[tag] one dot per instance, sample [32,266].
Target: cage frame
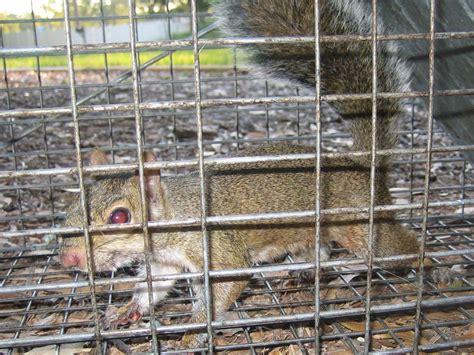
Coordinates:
[198,104]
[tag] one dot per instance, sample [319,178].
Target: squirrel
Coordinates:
[263,187]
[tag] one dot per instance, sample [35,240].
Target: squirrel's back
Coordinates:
[278,186]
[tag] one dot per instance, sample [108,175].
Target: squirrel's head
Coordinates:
[111,199]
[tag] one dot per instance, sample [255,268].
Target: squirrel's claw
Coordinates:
[442,275]
[114,317]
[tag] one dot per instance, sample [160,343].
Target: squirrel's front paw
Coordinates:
[305,276]
[442,275]
[130,313]
[449,276]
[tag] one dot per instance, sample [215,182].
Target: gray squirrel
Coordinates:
[264,187]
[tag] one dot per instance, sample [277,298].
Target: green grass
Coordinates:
[208,57]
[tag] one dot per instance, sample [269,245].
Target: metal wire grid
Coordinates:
[273,288]
[270,286]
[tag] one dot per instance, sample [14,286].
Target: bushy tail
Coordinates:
[346,67]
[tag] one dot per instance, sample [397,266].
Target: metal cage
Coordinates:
[52,118]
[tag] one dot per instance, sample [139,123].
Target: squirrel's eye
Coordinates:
[119,216]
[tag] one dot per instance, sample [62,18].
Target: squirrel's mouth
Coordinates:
[106,256]
[76,258]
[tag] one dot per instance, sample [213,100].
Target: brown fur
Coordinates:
[262,187]
[238,189]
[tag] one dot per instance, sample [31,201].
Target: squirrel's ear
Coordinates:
[98,157]
[152,178]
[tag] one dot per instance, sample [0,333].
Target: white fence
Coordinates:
[148,30]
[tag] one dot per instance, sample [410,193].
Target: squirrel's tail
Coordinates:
[346,66]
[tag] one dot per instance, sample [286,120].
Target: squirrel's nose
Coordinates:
[73,258]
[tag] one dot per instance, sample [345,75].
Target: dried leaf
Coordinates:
[469,334]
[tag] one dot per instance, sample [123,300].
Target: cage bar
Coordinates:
[194,117]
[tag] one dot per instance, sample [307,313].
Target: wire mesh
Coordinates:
[51,119]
